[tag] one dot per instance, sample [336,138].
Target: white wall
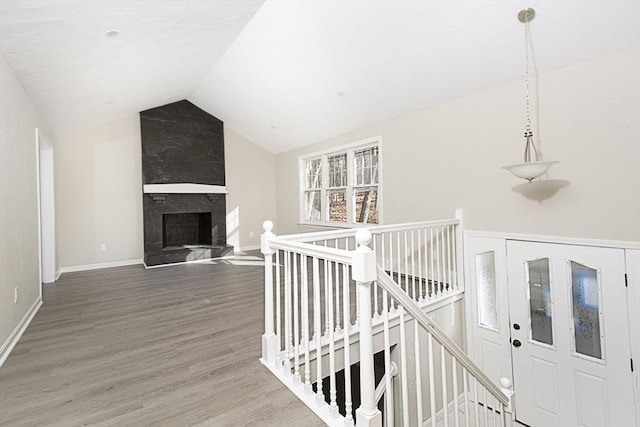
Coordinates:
[251,182]
[450,156]
[19,251]
[99,192]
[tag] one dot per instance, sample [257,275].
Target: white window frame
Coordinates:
[351,186]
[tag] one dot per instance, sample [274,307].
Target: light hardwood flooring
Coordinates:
[172,346]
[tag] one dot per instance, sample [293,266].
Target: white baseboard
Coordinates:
[247,248]
[58,273]
[100,265]
[15,336]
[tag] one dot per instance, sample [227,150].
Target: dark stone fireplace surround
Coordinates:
[182,144]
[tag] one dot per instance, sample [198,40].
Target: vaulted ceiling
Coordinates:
[289,73]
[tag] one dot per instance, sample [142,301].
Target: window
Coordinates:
[342,186]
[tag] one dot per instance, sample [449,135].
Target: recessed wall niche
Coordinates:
[183,145]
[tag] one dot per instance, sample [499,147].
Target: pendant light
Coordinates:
[533,166]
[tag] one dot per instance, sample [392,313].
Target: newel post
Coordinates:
[509,417]
[269,339]
[364,273]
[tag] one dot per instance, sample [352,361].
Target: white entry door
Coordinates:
[569,335]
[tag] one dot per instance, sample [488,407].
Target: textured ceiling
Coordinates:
[289,73]
[78,76]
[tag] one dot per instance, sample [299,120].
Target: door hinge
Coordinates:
[631,364]
[626,281]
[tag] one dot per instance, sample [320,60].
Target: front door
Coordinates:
[569,335]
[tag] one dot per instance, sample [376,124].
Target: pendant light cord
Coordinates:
[526,74]
[528,133]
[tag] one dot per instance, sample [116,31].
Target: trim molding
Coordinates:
[15,336]
[58,273]
[247,248]
[623,244]
[73,268]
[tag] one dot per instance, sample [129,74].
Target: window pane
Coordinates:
[486,281]
[312,206]
[540,300]
[313,173]
[366,205]
[337,206]
[586,306]
[338,170]
[366,164]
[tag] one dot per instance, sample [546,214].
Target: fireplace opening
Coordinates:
[183,230]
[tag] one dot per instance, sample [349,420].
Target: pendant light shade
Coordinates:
[533,166]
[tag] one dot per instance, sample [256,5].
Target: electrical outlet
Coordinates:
[103,247]
[251,234]
[16,295]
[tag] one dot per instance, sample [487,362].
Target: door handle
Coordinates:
[517,343]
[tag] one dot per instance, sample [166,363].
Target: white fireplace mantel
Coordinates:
[184,188]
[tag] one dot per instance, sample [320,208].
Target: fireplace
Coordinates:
[183,230]
[183,177]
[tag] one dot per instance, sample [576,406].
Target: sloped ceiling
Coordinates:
[77,75]
[289,73]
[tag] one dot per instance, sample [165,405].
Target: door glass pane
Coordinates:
[540,300]
[586,310]
[486,281]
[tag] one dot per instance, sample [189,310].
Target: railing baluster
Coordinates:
[432,381]
[416,349]
[332,345]
[456,407]
[416,296]
[420,272]
[296,325]
[337,275]
[486,406]
[406,263]
[426,266]
[434,287]
[388,395]
[449,281]
[455,257]
[465,387]
[403,364]
[445,399]
[476,403]
[399,261]
[376,314]
[317,325]
[278,306]
[346,307]
[305,322]
[287,311]
[327,300]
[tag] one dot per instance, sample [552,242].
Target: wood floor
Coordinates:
[172,346]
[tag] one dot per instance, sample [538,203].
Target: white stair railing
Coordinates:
[458,393]
[326,299]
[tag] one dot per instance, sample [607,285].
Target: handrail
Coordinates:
[414,310]
[376,229]
[326,253]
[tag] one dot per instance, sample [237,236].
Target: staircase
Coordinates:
[348,327]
